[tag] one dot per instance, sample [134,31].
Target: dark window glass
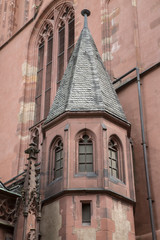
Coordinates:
[58,170]
[48,76]
[61,54]
[113,159]
[70,37]
[85,154]
[39,83]
[86,213]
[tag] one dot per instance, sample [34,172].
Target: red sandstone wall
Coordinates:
[12,59]
[18,76]
[110,219]
[139,27]
[133,38]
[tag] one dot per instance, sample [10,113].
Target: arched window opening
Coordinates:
[48,75]
[55,41]
[61,43]
[70,37]
[116,164]
[56,160]
[85,154]
[58,170]
[39,81]
[113,159]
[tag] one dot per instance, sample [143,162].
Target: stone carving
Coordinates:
[31,235]
[7,210]
[30,194]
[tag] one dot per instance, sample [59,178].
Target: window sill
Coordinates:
[86,174]
[55,180]
[86,224]
[116,180]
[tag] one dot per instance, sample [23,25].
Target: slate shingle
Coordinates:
[86,85]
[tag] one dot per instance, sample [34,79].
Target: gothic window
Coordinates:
[85,154]
[56,160]
[61,42]
[113,159]
[70,36]
[39,81]
[58,169]
[116,168]
[48,75]
[65,42]
[55,45]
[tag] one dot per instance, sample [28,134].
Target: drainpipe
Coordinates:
[145,156]
[144,147]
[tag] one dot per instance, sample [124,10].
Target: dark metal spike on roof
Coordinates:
[85,13]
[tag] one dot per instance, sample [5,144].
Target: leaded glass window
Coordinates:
[48,76]
[113,159]
[39,82]
[55,45]
[85,154]
[58,169]
[70,36]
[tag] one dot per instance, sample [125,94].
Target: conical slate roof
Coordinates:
[86,85]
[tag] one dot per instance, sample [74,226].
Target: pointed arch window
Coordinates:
[58,169]
[61,43]
[48,75]
[70,36]
[116,166]
[55,44]
[56,160]
[65,42]
[85,154]
[39,81]
[113,159]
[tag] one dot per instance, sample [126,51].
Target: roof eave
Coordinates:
[85,114]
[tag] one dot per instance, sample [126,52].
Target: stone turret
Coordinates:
[86,171]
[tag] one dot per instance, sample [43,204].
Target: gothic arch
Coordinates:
[116,158]
[85,138]
[53,173]
[29,69]
[47,18]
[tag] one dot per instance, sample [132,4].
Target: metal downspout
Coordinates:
[144,147]
[145,156]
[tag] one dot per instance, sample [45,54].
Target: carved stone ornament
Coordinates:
[32,151]
[7,210]
[31,235]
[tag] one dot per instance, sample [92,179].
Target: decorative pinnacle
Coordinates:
[85,13]
[32,151]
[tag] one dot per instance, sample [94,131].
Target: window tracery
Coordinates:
[55,45]
[85,148]
[85,154]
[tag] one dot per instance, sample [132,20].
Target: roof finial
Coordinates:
[85,13]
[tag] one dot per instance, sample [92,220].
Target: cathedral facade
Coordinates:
[79,116]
